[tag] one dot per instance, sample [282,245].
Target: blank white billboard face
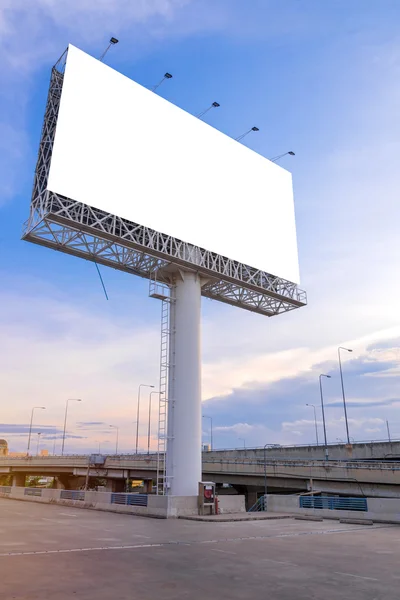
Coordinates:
[125,150]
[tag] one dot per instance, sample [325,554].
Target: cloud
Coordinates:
[48,432]
[88,424]
[30,37]
[260,411]
[14,147]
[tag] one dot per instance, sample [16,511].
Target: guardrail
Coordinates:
[33,492]
[333,503]
[72,495]
[129,499]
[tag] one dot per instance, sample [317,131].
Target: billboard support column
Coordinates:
[184,395]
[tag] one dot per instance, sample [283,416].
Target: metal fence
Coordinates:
[33,492]
[333,503]
[5,489]
[129,499]
[72,495]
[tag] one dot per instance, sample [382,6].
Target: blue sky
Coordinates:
[319,78]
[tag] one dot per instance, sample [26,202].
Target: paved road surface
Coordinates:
[55,552]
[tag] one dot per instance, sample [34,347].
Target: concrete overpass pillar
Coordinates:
[58,484]
[68,482]
[110,485]
[251,497]
[18,479]
[148,486]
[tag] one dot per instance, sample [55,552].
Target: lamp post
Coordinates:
[211,429]
[101,442]
[30,426]
[343,394]
[265,473]
[38,442]
[116,442]
[388,430]
[138,409]
[65,420]
[323,413]
[244,442]
[315,421]
[149,425]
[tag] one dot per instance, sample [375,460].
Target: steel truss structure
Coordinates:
[75,228]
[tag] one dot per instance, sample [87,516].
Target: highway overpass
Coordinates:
[246,471]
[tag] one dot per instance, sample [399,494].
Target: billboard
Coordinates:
[120,148]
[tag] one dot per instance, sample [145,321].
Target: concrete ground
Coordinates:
[55,552]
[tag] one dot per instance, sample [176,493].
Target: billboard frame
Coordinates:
[86,232]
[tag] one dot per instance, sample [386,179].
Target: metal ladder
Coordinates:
[165,293]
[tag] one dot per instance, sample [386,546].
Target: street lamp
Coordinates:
[315,421]
[265,474]
[138,409]
[101,442]
[149,425]
[244,442]
[323,413]
[30,426]
[38,442]
[344,397]
[116,443]
[211,429]
[65,420]
[388,430]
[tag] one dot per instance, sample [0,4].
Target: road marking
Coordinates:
[195,543]
[12,543]
[53,520]
[279,562]
[68,514]
[357,576]
[223,551]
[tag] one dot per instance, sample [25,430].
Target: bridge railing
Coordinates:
[72,495]
[129,499]
[333,503]
[331,464]
[31,491]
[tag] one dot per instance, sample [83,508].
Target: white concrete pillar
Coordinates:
[184,394]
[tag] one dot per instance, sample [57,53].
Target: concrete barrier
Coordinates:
[228,505]
[380,510]
[157,506]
